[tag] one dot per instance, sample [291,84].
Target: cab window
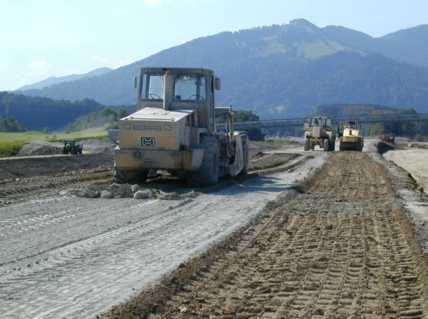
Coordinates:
[189,88]
[153,87]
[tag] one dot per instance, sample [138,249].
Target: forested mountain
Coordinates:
[37,113]
[410,46]
[349,111]
[9,124]
[62,79]
[285,70]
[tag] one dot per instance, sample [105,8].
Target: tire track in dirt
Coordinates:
[342,249]
[23,189]
[69,257]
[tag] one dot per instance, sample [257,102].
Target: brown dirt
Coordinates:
[270,160]
[36,187]
[34,177]
[18,167]
[341,248]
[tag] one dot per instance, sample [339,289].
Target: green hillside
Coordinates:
[10,124]
[37,113]
[106,118]
[284,70]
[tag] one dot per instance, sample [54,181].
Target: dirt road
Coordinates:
[68,257]
[342,249]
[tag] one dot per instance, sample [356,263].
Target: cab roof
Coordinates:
[177,70]
[158,114]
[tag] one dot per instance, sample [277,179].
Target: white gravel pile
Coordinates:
[116,191]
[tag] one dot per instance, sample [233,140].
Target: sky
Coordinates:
[42,38]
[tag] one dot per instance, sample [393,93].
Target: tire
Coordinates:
[123,177]
[246,155]
[208,173]
[307,145]
[333,145]
[327,146]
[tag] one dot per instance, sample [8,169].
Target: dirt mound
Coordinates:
[40,148]
[262,160]
[20,167]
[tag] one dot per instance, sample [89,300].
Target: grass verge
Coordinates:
[12,142]
[10,148]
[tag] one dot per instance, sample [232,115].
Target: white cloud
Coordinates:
[113,63]
[123,62]
[152,3]
[33,71]
[38,68]
[101,60]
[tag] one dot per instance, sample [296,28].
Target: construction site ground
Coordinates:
[306,235]
[63,256]
[342,247]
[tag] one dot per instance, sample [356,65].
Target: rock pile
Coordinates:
[126,191]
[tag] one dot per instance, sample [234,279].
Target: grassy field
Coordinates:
[11,143]
[93,133]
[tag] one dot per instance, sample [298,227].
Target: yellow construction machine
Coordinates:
[177,128]
[351,138]
[319,131]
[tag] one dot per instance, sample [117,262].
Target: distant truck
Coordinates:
[351,138]
[319,131]
[387,138]
[72,147]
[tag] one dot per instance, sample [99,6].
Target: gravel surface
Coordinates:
[414,161]
[343,248]
[412,197]
[63,256]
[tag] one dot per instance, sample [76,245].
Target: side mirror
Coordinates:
[135,82]
[217,84]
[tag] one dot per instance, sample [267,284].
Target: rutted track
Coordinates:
[342,249]
[22,189]
[74,257]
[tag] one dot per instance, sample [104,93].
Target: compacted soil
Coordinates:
[63,256]
[342,247]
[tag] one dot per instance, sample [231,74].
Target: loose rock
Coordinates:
[121,190]
[106,194]
[143,194]
[88,193]
[135,188]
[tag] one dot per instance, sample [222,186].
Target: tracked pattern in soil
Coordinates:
[342,249]
[22,189]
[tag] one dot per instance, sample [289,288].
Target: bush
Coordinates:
[10,148]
